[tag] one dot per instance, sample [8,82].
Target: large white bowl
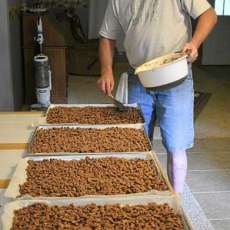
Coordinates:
[163,70]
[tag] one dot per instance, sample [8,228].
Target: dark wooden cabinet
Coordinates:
[56,50]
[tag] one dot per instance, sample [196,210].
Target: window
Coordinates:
[222,7]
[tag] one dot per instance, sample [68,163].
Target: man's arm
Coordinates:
[106,51]
[205,24]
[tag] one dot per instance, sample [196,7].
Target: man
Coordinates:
[153,28]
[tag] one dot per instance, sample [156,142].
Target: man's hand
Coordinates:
[205,24]
[106,50]
[106,83]
[192,51]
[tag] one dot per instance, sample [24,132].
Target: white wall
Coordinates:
[6,81]
[11,80]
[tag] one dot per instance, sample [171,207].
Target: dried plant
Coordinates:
[49,4]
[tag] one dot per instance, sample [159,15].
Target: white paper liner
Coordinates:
[20,176]
[42,120]
[134,126]
[172,201]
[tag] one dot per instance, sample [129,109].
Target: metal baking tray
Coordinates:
[19,176]
[43,119]
[135,126]
[172,201]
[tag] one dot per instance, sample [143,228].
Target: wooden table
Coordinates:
[16,129]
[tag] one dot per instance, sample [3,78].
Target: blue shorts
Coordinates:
[173,108]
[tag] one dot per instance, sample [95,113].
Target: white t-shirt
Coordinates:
[151,28]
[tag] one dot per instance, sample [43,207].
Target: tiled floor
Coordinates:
[209,178]
[214,121]
[209,161]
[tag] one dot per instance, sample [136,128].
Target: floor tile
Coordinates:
[207,145]
[209,181]
[203,160]
[214,120]
[221,224]
[83,90]
[215,205]
[158,146]
[209,160]
[194,211]
[211,145]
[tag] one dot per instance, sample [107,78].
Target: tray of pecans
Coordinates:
[83,176]
[92,114]
[78,139]
[139,212]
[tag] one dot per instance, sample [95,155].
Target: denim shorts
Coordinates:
[172,107]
